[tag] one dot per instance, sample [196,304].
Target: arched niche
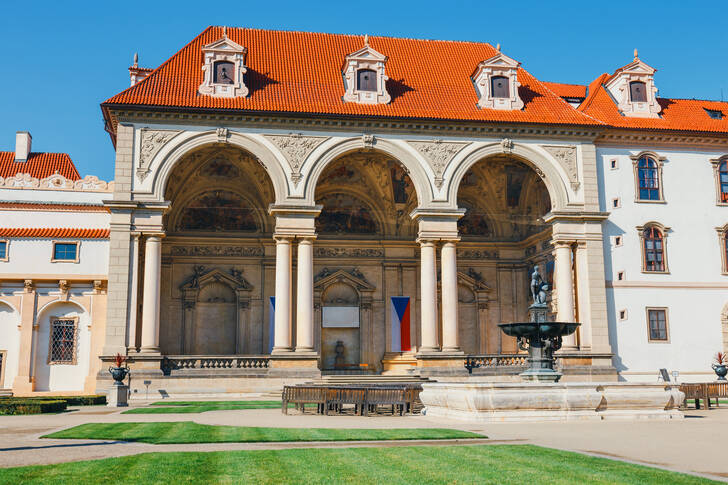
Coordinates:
[216,321]
[342,303]
[62,347]
[9,344]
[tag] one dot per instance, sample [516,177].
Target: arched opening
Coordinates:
[61,347]
[365,229]
[340,334]
[217,231]
[502,235]
[9,345]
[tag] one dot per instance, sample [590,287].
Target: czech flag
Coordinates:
[401,324]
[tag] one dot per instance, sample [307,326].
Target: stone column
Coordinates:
[449,265]
[304,296]
[428,296]
[282,331]
[583,296]
[133,290]
[150,300]
[564,287]
[23,381]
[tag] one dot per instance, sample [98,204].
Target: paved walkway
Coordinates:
[687,445]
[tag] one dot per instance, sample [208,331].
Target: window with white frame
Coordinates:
[365,80]
[496,82]
[720,171]
[653,238]
[63,337]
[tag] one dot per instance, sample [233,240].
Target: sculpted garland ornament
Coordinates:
[151,142]
[438,154]
[296,148]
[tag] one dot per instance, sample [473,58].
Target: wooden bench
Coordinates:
[365,398]
[705,391]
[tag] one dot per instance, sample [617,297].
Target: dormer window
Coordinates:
[365,81]
[496,83]
[499,87]
[638,92]
[224,69]
[633,88]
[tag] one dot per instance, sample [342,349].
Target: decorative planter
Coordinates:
[119,374]
[720,370]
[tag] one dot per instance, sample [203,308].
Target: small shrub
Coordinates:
[90,400]
[15,406]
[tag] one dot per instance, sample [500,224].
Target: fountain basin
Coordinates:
[539,401]
[533,330]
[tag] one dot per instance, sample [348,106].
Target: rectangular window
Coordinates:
[613,164]
[63,341]
[714,113]
[65,251]
[3,250]
[657,321]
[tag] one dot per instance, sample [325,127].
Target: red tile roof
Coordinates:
[567,90]
[676,114]
[300,72]
[38,165]
[35,206]
[54,232]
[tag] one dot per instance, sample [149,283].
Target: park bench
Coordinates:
[705,391]
[364,398]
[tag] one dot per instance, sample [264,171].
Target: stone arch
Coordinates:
[553,177]
[404,155]
[61,377]
[168,157]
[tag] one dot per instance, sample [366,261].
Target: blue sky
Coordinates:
[62,59]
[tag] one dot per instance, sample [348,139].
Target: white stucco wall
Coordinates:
[32,257]
[694,291]
[10,343]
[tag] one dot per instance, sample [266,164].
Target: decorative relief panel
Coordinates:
[296,148]
[151,142]
[477,254]
[238,251]
[321,252]
[566,156]
[438,154]
[89,183]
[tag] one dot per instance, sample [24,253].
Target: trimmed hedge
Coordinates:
[14,406]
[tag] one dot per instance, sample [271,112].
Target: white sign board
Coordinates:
[340,316]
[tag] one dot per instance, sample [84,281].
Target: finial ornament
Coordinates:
[224,31]
[136,59]
[636,56]
[366,40]
[497,47]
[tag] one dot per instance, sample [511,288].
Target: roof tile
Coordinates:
[38,165]
[54,232]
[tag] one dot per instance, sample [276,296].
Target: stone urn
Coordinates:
[720,370]
[119,374]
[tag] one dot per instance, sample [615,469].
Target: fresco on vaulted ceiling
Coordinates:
[216,211]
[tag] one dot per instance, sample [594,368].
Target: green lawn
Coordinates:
[189,432]
[184,407]
[494,464]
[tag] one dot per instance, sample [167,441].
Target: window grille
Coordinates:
[63,341]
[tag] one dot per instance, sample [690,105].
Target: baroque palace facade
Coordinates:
[287,204]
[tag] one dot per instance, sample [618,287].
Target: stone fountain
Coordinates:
[541,396]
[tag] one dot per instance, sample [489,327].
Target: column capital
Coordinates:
[155,234]
[306,239]
[426,241]
[562,243]
[283,238]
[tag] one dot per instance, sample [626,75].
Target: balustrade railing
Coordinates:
[176,362]
[490,361]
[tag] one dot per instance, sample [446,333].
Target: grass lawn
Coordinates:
[189,432]
[496,464]
[184,407]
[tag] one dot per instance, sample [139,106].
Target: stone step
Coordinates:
[368,379]
[6,393]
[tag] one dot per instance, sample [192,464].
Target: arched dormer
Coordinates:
[223,68]
[633,88]
[496,83]
[365,81]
